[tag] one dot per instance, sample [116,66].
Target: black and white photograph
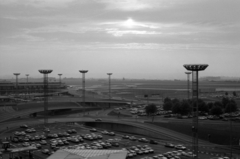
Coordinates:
[119,79]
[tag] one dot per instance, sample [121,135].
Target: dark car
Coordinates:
[115,144]
[153,142]
[98,119]
[125,137]
[93,130]
[45,151]
[24,126]
[15,139]
[111,134]
[169,145]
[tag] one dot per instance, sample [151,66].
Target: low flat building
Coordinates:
[11,87]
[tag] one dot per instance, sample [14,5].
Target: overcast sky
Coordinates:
[130,38]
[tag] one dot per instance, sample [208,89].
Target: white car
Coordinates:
[180,147]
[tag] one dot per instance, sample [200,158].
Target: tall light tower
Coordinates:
[27,77]
[195,68]
[60,81]
[83,84]
[26,84]
[188,83]
[45,89]
[109,79]
[17,74]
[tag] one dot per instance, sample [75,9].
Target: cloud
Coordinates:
[120,33]
[127,5]
[38,3]
[28,38]
[138,5]
[130,23]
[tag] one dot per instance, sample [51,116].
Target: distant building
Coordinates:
[210,78]
[207,90]
[36,87]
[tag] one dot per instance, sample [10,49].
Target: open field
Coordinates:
[220,133]
[174,89]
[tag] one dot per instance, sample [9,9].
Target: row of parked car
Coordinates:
[144,140]
[138,150]
[171,155]
[62,140]
[178,147]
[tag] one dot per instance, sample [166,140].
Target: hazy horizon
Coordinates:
[134,39]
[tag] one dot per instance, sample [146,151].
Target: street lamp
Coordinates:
[83,84]
[109,74]
[195,68]
[60,81]
[188,83]
[45,89]
[17,74]
[26,85]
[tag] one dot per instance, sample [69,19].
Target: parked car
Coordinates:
[43,142]
[125,137]
[143,140]
[180,147]
[153,142]
[93,130]
[170,145]
[45,151]
[24,126]
[111,134]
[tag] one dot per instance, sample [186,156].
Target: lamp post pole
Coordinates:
[17,74]
[60,80]
[27,84]
[27,77]
[195,68]
[83,84]
[45,89]
[109,77]
[188,84]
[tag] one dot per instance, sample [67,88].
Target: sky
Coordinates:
[149,39]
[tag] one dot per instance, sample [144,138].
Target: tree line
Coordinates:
[184,107]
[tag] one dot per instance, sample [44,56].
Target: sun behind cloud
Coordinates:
[129,23]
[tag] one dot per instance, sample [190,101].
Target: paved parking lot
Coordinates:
[83,138]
